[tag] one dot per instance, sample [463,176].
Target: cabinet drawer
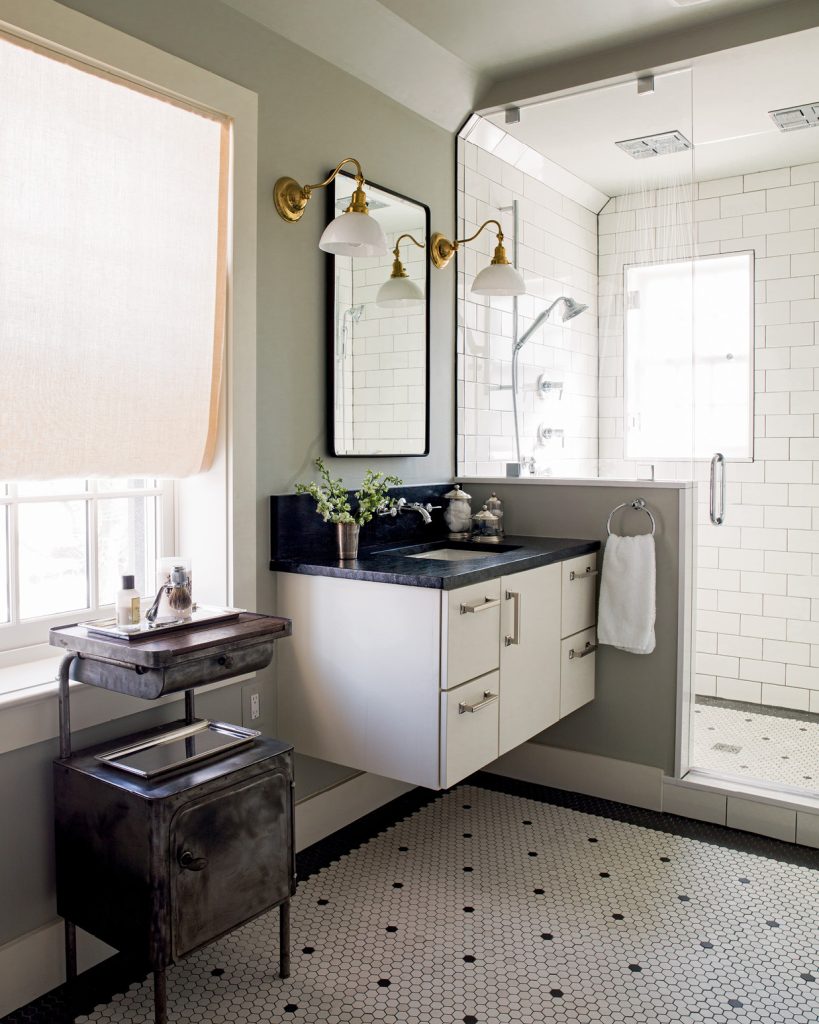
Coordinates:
[579,594]
[577,662]
[473,632]
[469,728]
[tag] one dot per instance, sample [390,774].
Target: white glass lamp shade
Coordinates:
[354,234]
[499,279]
[399,292]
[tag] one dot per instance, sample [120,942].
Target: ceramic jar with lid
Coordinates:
[458,514]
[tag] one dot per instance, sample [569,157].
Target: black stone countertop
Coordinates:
[391,564]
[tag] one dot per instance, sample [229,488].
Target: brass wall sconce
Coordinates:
[354,233]
[499,278]
[399,290]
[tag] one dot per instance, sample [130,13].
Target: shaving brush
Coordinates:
[178,590]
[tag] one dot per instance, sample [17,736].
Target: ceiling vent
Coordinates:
[655,145]
[790,118]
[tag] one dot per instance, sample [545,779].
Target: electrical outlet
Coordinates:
[255,706]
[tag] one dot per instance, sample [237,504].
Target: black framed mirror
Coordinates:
[378,332]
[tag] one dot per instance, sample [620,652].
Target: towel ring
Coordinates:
[638,505]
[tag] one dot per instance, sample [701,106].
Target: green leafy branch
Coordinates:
[332,502]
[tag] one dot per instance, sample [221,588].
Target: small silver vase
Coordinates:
[347,537]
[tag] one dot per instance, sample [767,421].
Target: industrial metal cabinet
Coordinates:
[160,866]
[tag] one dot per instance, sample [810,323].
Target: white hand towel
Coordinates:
[628,594]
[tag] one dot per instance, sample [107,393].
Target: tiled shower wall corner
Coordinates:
[758,602]
[381,360]
[557,254]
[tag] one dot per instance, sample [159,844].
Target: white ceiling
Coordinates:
[436,56]
[505,38]
[720,102]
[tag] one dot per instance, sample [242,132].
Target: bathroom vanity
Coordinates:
[426,662]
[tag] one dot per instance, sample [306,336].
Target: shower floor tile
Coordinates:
[491,907]
[771,745]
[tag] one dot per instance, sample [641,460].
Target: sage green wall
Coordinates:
[633,715]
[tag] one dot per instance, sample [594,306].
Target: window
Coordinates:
[689,359]
[114,247]
[65,544]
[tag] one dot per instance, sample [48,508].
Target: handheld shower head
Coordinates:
[571,309]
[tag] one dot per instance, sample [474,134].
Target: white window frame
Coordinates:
[692,456]
[215,512]
[20,632]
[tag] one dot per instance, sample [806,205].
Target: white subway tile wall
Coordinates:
[758,606]
[557,255]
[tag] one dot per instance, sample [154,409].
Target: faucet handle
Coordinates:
[430,507]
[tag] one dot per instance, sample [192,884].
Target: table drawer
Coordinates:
[473,632]
[469,731]
[579,594]
[577,664]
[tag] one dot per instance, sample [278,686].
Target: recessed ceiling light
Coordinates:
[688,3]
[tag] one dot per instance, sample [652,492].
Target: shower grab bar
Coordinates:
[717,461]
[639,505]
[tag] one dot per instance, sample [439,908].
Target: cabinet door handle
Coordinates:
[583,575]
[488,698]
[480,606]
[590,648]
[512,595]
[225,660]
[190,863]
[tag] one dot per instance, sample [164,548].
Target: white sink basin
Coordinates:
[453,554]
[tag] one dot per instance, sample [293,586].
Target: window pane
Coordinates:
[124,484]
[127,544]
[45,488]
[4,567]
[53,553]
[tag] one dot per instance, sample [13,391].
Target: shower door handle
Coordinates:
[717,469]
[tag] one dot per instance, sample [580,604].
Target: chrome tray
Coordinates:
[201,616]
[177,748]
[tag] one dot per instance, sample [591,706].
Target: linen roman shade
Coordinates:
[113,249]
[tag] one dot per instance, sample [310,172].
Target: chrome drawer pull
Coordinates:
[488,698]
[512,595]
[590,648]
[480,606]
[583,575]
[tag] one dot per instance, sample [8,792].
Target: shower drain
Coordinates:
[726,748]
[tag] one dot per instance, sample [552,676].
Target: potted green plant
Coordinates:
[333,505]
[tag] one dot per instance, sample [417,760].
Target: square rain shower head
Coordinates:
[788,119]
[655,145]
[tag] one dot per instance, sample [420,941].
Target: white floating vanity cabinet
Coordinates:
[427,685]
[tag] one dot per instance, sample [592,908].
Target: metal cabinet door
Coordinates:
[229,859]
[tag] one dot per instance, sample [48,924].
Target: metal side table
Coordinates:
[160,863]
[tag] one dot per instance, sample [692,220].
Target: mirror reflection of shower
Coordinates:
[350,317]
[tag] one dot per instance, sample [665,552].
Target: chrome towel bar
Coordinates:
[638,505]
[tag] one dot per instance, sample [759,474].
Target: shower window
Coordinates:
[689,358]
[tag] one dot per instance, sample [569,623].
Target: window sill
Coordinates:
[28,703]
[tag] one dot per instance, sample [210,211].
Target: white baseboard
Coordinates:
[34,963]
[320,815]
[637,784]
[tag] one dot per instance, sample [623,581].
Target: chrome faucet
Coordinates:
[402,505]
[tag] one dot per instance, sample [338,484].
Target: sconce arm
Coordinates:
[290,198]
[442,249]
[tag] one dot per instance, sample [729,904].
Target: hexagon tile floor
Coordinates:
[490,907]
[757,742]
